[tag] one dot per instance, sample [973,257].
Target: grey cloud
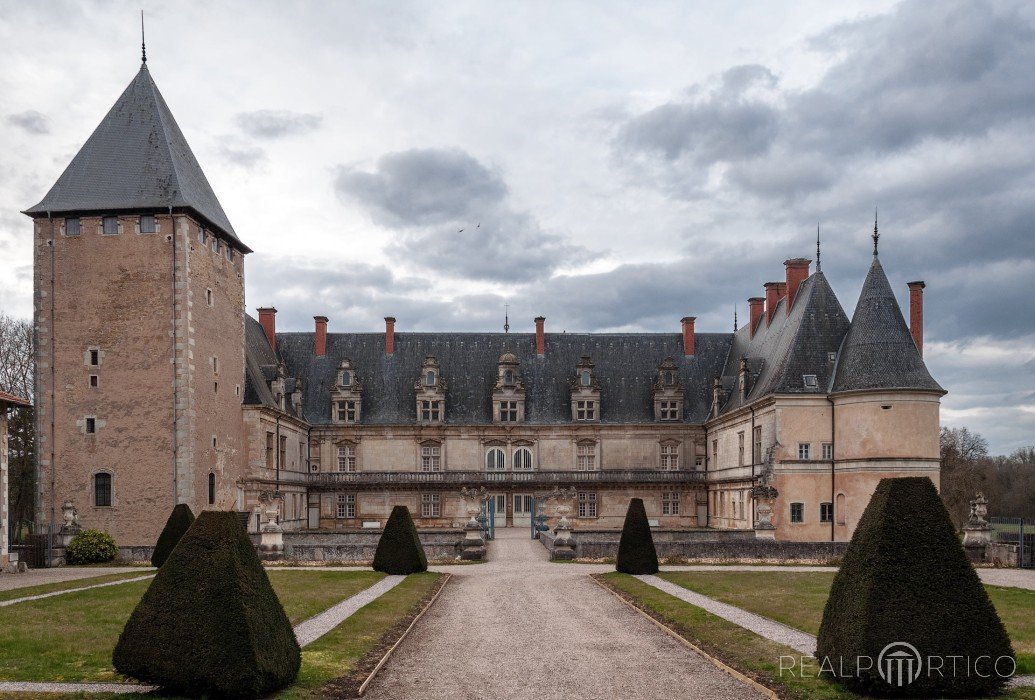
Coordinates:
[242,155]
[423,187]
[274,124]
[31,121]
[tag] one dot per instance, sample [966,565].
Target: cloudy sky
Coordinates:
[610,165]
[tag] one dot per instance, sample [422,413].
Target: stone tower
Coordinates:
[139,313]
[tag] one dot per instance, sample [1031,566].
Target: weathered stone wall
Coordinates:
[360,545]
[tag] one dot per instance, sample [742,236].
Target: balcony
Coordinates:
[452,480]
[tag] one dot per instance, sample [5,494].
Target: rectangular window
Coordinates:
[756,455]
[715,453]
[430,458]
[586,457]
[430,505]
[797,512]
[91,426]
[229,253]
[804,450]
[215,244]
[740,449]
[346,505]
[585,410]
[346,411]
[95,358]
[670,457]
[94,381]
[147,224]
[508,411]
[215,365]
[668,410]
[347,458]
[201,236]
[828,450]
[72,227]
[670,503]
[431,411]
[270,464]
[283,451]
[826,512]
[587,505]
[110,225]
[102,490]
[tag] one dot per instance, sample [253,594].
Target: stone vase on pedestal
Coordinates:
[271,537]
[564,543]
[765,499]
[976,532]
[472,546]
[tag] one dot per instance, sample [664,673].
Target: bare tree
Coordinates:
[17,349]
[966,470]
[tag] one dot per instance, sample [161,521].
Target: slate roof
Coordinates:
[793,345]
[878,351]
[626,366]
[137,158]
[259,359]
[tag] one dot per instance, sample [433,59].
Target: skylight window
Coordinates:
[810,380]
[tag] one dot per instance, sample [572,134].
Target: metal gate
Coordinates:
[34,551]
[1019,532]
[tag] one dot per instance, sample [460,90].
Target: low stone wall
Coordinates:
[1005,554]
[706,546]
[360,545]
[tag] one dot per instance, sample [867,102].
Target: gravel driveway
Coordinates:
[521,627]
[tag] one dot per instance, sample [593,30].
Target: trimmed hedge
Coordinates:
[178,523]
[906,578]
[91,547]
[399,550]
[636,552]
[210,623]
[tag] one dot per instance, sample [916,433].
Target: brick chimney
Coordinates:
[756,305]
[772,298]
[320,341]
[268,321]
[916,313]
[389,334]
[540,336]
[797,272]
[689,341]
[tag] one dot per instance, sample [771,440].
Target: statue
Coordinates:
[71,518]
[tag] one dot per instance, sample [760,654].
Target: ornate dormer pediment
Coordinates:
[508,395]
[668,392]
[585,393]
[430,389]
[346,394]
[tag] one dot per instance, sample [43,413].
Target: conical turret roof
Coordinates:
[878,351]
[137,158]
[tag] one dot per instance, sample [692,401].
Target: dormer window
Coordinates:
[508,377]
[585,378]
[668,393]
[429,379]
[585,410]
[585,393]
[347,395]
[810,381]
[347,411]
[430,388]
[431,411]
[508,395]
[345,378]
[670,378]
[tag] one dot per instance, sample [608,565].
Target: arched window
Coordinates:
[508,377]
[429,378]
[495,460]
[585,377]
[346,378]
[102,489]
[670,378]
[522,459]
[839,509]
[211,488]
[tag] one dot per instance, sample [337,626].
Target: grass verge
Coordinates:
[67,585]
[797,599]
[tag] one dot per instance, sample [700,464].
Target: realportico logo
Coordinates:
[899,664]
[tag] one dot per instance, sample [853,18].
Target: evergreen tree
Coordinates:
[636,553]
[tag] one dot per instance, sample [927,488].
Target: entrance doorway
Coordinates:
[522,509]
[500,517]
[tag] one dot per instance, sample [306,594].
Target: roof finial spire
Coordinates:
[734,318]
[506,318]
[875,234]
[819,266]
[143,44]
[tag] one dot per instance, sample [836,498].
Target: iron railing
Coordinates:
[1016,531]
[458,479]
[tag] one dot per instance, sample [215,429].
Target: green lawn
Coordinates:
[66,585]
[749,653]
[797,599]
[71,637]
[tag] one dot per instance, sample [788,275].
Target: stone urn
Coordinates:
[977,533]
[472,546]
[564,542]
[765,499]
[271,537]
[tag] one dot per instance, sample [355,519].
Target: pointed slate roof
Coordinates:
[878,351]
[137,158]
[793,345]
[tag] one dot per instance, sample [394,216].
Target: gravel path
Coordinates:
[521,627]
[5,603]
[38,577]
[73,688]
[801,642]
[317,626]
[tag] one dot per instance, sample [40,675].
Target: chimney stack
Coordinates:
[797,272]
[689,342]
[755,304]
[389,334]
[321,336]
[773,294]
[916,313]
[268,321]
[540,336]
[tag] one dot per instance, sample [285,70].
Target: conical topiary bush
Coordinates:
[906,579]
[399,550]
[178,523]
[210,623]
[636,553]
